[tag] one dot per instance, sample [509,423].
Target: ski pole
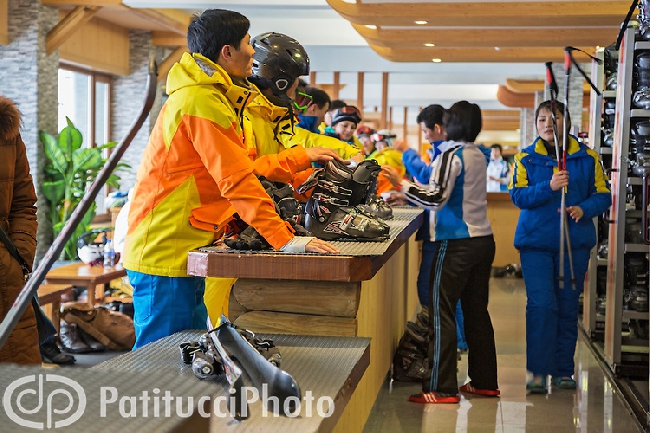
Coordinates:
[23,300]
[553,88]
[564,228]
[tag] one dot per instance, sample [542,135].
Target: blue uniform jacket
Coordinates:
[539,220]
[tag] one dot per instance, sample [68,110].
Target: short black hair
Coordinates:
[213,29]
[318,96]
[463,122]
[336,104]
[497,146]
[431,116]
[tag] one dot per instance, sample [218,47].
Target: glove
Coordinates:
[249,239]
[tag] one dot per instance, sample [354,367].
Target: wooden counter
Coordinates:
[351,294]
[503,216]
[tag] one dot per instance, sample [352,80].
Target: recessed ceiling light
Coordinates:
[436,60]
[420,23]
[429,45]
[497,49]
[350,1]
[371,27]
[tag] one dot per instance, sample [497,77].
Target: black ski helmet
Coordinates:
[278,60]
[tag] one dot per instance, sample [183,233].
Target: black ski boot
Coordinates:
[333,210]
[374,204]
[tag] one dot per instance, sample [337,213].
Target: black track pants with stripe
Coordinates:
[461,271]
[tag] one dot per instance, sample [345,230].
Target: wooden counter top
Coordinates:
[315,267]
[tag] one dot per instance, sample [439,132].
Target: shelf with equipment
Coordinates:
[626,311]
[592,321]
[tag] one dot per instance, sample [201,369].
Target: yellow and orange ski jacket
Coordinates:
[196,173]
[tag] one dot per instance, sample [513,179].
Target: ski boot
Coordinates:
[332,211]
[367,173]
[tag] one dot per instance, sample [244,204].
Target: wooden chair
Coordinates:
[49,297]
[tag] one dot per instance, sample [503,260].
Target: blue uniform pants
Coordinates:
[424,276]
[551,312]
[165,305]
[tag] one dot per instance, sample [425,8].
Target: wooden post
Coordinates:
[384,100]
[405,128]
[390,118]
[419,134]
[312,78]
[360,84]
[335,86]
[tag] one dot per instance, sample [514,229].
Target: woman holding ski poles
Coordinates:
[552,307]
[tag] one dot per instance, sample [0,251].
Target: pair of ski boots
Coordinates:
[343,204]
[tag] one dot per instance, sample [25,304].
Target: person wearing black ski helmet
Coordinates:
[278,62]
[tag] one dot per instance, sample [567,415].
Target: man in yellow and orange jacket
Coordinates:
[196,176]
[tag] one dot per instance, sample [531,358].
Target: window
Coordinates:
[84,97]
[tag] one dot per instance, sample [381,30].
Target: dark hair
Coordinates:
[559,108]
[497,146]
[431,116]
[462,121]
[210,31]
[336,104]
[318,96]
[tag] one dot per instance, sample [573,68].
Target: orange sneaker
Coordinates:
[468,388]
[433,398]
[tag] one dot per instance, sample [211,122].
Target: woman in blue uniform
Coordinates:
[551,311]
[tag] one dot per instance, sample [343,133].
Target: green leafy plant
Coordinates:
[70,169]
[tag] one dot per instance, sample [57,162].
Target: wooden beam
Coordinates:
[384,99]
[501,114]
[515,100]
[419,134]
[174,21]
[487,14]
[481,54]
[168,62]
[4,22]
[72,22]
[488,37]
[405,123]
[360,83]
[335,86]
[529,86]
[168,39]
[491,124]
[526,100]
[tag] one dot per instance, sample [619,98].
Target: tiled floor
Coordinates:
[593,407]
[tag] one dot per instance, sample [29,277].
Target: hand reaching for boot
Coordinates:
[391,174]
[322,154]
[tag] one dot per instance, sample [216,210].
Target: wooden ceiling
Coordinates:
[510,31]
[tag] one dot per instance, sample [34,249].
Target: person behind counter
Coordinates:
[195,176]
[463,260]
[497,171]
[551,312]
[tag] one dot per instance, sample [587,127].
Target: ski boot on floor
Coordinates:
[333,210]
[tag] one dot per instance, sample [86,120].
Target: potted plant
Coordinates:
[69,170]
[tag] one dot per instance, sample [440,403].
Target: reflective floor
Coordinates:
[593,407]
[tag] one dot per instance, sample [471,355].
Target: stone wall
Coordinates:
[127,97]
[30,78]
